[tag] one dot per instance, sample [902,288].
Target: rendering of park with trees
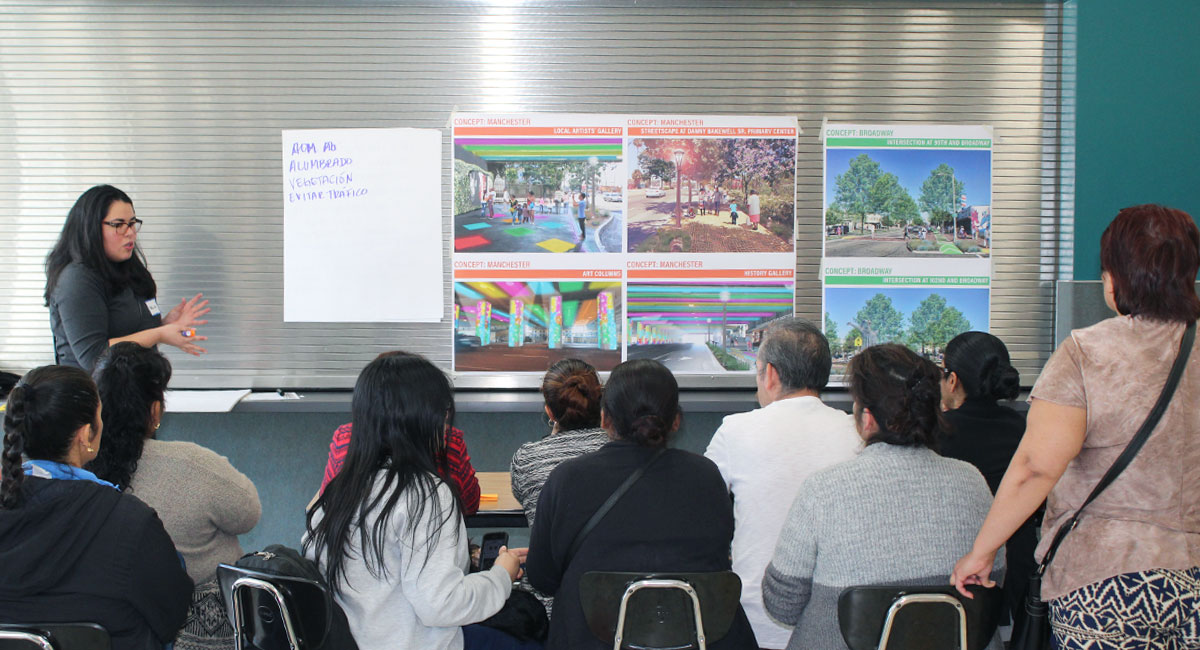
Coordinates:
[923,319]
[871,211]
[681,192]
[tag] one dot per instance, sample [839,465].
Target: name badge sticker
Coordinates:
[152,305]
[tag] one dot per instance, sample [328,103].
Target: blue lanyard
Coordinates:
[61,471]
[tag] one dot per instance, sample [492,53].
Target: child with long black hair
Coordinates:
[387,532]
[72,547]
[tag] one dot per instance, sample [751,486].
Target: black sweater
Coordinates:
[78,551]
[984,434]
[677,517]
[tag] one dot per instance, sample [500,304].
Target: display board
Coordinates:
[181,104]
[907,242]
[611,237]
[362,238]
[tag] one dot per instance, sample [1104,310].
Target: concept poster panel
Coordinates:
[698,327]
[545,204]
[524,319]
[908,235]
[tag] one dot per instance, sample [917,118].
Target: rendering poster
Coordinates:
[560,218]
[908,235]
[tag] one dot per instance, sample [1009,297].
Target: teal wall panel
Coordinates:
[1137,127]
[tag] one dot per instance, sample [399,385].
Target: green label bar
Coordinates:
[932,143]
[906,280]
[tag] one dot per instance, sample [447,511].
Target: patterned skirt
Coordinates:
[207,626]
[1157,609]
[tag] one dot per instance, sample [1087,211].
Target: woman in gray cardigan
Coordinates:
[203,501]
[893,515]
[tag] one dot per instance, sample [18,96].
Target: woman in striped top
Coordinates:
[572,392]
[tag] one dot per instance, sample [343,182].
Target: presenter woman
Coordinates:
[99,290]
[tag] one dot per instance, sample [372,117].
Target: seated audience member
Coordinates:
[457,468]
[572,392]
[388,533]
[204,503]
[766,454]
[73,548]
[892,515]
[982,432]
[676,517]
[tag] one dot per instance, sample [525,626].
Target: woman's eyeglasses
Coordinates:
[123,226]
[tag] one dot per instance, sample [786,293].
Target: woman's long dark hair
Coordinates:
[402,408]
[44,411]
[82,240]
[983,366]
[130,379]
[902,390]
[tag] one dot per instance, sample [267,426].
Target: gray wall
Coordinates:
[284,454]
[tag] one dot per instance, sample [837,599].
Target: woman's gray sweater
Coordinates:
[893,515]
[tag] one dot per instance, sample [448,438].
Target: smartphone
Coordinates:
[490,548]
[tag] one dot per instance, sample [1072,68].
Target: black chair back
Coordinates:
[53,636]
[660,618]
[274,612]
[918,617]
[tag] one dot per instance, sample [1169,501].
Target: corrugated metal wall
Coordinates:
[181,105]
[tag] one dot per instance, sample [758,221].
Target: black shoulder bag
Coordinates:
[1035,635]
[607,505]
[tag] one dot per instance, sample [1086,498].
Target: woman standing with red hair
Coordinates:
[1128,575]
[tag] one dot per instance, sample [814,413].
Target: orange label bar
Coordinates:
[726,131]
[773,274]
[537,274]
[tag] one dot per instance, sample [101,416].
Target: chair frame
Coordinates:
[36,640]
[659,583]
[927,598]
[247,582]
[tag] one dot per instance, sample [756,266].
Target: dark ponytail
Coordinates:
[983,366]
[130,379]
[572,391]
[641,401]
[903,392]
[14,447]
[44,411]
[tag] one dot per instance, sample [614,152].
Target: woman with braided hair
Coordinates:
[676,517]
[892,515]
[73,547]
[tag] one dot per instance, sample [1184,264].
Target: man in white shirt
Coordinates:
[766,454]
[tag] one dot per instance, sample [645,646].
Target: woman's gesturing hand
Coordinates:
[179,325]
[188,310]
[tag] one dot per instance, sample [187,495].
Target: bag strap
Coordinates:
[1135,444]
[607,505]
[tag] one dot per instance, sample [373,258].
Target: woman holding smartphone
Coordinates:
[387,531]
[99,290]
